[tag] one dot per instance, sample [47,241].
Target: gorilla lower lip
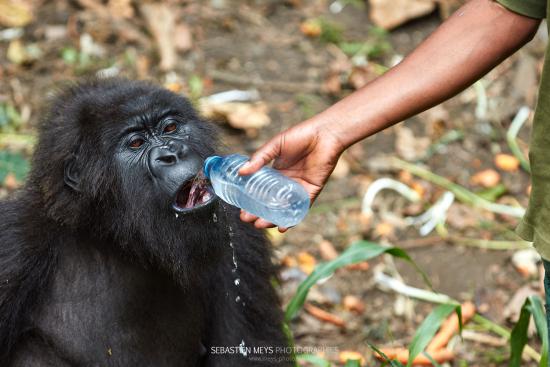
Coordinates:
[193,194]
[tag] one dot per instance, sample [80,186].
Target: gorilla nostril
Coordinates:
[173,146]
[167,159]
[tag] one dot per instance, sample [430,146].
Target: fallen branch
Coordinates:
[282,86]
[324,316]
[451,327]
[491,244]
[483,338]
[402,355]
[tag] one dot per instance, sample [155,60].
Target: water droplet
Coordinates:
[177,215]
[242,349]
[237,281]
[215,218]
[236,266]
[238,299]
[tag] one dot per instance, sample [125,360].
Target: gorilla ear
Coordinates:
[72,174]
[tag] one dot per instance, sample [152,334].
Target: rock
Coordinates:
[389,14]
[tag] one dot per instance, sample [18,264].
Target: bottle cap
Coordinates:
[208,163]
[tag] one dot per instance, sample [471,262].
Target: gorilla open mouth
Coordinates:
[193,194]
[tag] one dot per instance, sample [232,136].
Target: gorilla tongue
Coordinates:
[192,194]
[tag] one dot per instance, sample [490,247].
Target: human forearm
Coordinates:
[469,44]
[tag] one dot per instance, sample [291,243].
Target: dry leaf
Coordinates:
[361,76]
[239,115]
[406,177]
[402,355]
[390,14]
[362,266]
[525,261]
[306,262]
[183,37]
[353,304]
[14,13]
[161,21]
[487,178]
[332,84]
[506,162]
[174,87]
[10,182]
[408,146]
[289,261]
[383,229]
[342,168]
[121,8]
[419,188]
[16,52]
[327,250]
[346,355]
[311,28]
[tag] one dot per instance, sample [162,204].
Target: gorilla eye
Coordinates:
[136,143]
[170,127]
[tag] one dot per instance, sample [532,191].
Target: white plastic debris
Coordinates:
[233,95]
[435,215]
[382,184]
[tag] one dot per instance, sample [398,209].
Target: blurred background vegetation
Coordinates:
[257,67]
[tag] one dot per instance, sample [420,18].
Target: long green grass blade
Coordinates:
[358,252]
[537,310]
[314,360]
[353,363]
[433,361]
[518,340]
[429,327]
[385,357]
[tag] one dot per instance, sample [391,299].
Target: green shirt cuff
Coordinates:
[531,8]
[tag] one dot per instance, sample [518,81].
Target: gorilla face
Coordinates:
[162,150]
[120,161]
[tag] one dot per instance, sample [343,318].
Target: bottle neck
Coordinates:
[207,166]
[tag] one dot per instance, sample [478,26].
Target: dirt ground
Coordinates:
[261,45]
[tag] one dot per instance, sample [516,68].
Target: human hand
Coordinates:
[306,153]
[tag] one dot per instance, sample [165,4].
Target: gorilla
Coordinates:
[117,253]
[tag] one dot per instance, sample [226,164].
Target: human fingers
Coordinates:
[262,156]
[247,217]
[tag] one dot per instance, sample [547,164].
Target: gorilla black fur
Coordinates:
[96,266]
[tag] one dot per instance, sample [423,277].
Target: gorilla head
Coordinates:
[130,154]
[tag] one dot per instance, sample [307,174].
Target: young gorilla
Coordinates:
[114,254]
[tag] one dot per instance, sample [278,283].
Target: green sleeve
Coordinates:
[530,8]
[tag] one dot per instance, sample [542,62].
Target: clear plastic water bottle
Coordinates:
[267,193]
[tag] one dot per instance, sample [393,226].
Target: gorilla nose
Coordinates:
[173,163]
[168,154]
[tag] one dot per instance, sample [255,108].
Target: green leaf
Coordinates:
[13,163]
[314,360]
[358,252]
[69,55]
[493,193]
[429,327]
[385,357]
[353,363]
[434,362]
[518,339]
[195,87]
